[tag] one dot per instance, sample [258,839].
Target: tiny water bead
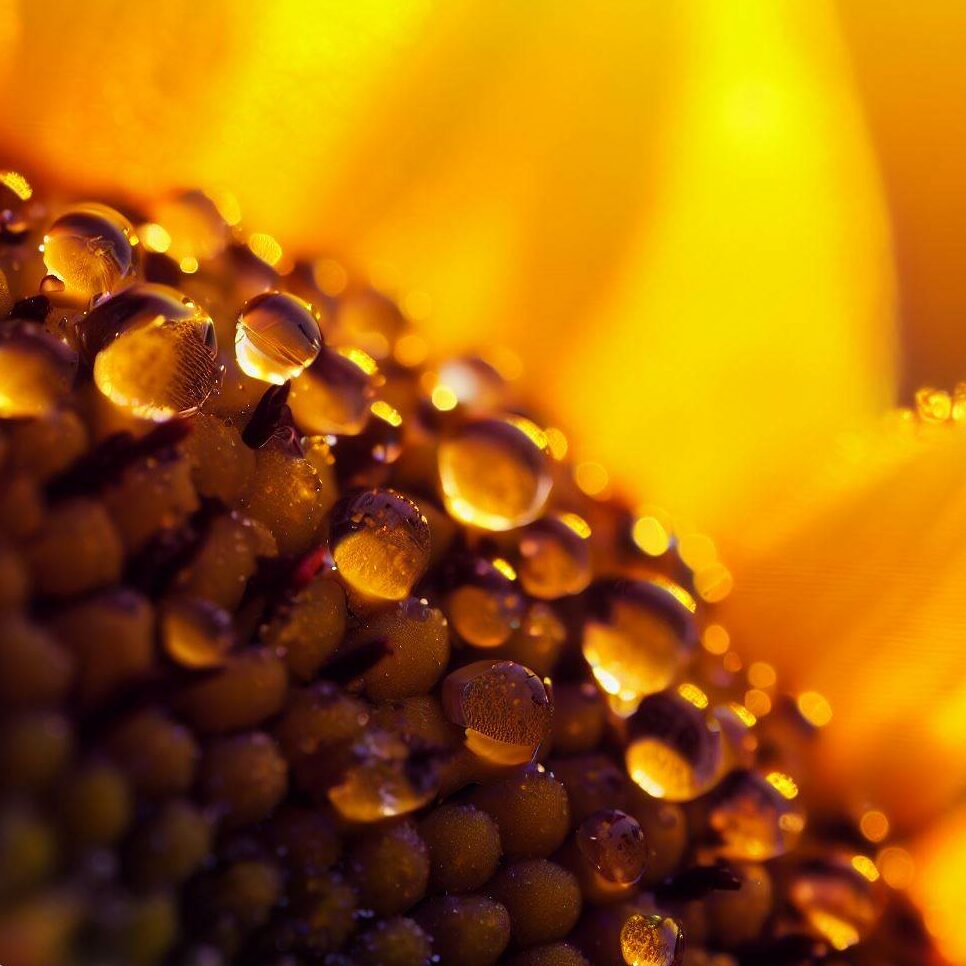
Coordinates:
[504,707]
[36,371]
[276,337]
[555,556]
[652,941]
[638,636]
[153,351]
[613,843]
[675,748]
[88,251]
[495,473]
[334,393]
[380,543]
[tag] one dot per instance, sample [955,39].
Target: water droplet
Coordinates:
[613,843]
[90,249]
[473,383]
[365,459]
[334,393]
[836,900]
[754,819]
[638,637]
[193,224]
[36,371]
[153,351]
[495,473]
[485,604]
[555,557]
[380,543]
[276,337]
[651,941]
[675,752]
[504,708]
[370,320]
[196,633]
[383,780]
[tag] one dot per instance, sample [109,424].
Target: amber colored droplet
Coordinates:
[370,320]
[276,337]
[639,635]
[652,941]
[538,641]
[196,633]
[613,843]
[153,351]
[753,818]
[555,557]
[473,383]
[36,371]
[486,605]
[836,900]
[334,393]
[383,780]
[194,226]
[675,752]
[504,708]
[495,473]
[380,543]
[89,249]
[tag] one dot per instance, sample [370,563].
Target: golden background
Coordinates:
[725,236]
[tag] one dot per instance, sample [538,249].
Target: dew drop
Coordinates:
[836,899]
[153,351]
[334,393]
[555,556]
[613,843]
[89,249]
[754,818]
[383,780]
[504,707]
[651,941]
[675,750]
[276,337]
[639,635]
[36,371]
[495,473]
[380,543]
[485,605]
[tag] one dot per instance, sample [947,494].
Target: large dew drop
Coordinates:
[495,473]
[504,707]
[276,337]
[639,635]
[652,941]
[380,543]
[153,351]
[88,250]
[675,750]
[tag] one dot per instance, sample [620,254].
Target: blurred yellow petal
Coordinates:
[861,597]
[909,70]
